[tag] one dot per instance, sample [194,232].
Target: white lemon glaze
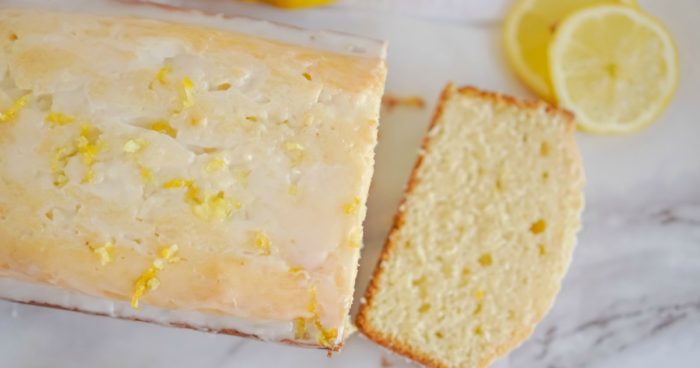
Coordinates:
[133,135]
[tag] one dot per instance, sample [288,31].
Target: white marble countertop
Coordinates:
[630,299]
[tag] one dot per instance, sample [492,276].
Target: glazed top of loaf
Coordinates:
[185,167]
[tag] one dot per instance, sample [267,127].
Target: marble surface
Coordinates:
[630,299]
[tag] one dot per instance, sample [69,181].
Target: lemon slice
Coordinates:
[615,67]
[528,31]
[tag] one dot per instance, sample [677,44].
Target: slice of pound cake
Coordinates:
[184,169]
[484,234]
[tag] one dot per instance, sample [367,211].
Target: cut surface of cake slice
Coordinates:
[484,234]
[185,169]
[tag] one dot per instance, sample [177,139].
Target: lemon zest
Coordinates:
[146,174]
[59,118]
[216,207]
[479,294]
[88,145]
[187,92]
[205,206]
[163,127]
[262,242]
[326,337]
[351,207]
[162,73]
[538,227]
[216,164]
[485,260]
[148,280]
[105,253]
[58,164]
[300,330]
[11,112]
[177,183]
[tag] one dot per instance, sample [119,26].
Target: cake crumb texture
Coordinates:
[484,234]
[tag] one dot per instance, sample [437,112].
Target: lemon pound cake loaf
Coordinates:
[184,169]
[484,234]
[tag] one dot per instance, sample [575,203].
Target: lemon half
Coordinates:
[529,28]
[614,66]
